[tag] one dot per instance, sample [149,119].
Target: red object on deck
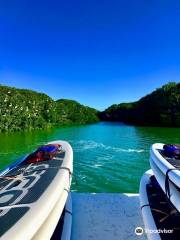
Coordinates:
[42,155]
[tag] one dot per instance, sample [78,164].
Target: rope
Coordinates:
[67,211]
[167,179]
[145,205]
[6,177]
[25,170]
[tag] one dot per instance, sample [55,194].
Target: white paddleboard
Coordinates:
[146,210]
[34,196]
[161,219]
[160,166]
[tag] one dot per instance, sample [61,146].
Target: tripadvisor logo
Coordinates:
[139,231]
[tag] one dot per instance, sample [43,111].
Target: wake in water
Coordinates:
[83,145]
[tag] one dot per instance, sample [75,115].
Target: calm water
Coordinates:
[108,157]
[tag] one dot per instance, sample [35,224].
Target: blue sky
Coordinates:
[96,52]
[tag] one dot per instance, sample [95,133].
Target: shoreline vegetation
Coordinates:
[22,109]
[159,108]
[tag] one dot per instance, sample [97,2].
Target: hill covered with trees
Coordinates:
[160,108]
[72,112]
[22,109]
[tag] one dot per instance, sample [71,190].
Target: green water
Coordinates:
[108,157]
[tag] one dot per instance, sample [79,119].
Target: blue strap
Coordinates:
[48,149]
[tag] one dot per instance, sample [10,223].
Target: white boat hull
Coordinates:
[160,166]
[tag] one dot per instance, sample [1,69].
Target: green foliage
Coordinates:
[160,108]
[72,112]
[22,109]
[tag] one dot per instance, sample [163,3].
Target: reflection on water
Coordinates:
[108,157]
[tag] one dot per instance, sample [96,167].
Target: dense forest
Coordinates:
[160,108]
[72,112]
[22,109]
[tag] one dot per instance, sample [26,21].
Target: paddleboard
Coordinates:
[169,180]
[33,195]
[160,218]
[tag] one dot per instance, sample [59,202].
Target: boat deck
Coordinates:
[106,216]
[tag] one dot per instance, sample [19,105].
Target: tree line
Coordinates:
[160,108]
[22,109]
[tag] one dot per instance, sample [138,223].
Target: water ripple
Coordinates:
[83,145]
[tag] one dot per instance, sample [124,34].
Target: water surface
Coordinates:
[108,157]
